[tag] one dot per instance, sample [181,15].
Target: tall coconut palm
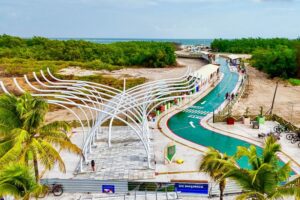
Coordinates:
[18,181]
[25,137]
[265,179]
[215,164]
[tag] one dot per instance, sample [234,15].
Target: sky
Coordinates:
[150,18]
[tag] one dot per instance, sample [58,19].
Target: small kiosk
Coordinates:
[234,60]
[206,75]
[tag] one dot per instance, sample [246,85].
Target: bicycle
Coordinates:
[280,128]
[56,189]
[291,136]
[296,139]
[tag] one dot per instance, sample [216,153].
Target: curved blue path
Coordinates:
[180,124]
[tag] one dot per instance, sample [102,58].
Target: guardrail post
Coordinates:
[166,193]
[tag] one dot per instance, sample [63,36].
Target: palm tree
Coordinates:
[265,178]
[18,181]
[215,164]
[25,137]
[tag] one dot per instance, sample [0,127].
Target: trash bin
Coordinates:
[255,125]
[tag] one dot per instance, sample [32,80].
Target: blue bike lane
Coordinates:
[185,124]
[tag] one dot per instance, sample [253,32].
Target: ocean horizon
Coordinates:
[113,40]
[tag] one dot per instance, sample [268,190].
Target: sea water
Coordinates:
[206,42]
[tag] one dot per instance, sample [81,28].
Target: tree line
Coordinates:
[135,53]
[277,56]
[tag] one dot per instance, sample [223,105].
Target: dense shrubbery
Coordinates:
[248,45]
[21,56]
[279,61]
[147,54]
[20,66]
[277,56]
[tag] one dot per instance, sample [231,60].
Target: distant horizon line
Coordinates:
[128,38]
[145,38]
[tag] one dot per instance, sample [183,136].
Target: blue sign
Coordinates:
[108,189]
[201,188]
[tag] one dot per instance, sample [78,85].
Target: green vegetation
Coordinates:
[280,61]
[248,45]
[278,57]
[22,56]
[27,142]
[107,80]
[18,181]
[147,54]
[294,81]
[265,179]
[214,164]
[27,139]
[20,66]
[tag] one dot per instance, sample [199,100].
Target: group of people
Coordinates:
[229,96]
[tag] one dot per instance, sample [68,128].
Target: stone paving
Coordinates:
[125,159]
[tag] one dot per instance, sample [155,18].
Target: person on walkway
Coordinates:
[93,165]
[226,95]
[232,96]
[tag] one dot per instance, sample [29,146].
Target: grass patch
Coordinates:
[294,81]
[20,66]
[106,80]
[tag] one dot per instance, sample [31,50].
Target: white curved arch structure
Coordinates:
[99,103]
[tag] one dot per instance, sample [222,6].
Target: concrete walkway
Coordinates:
[188,151]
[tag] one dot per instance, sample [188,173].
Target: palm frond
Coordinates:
[12,155]
[5,146]
[271,148]
[8,121]
[54,156]
[251,195]
[8,189]
[284,172]
[291,188]
[241,176]
[17,180]
[56,126]
[55,134]
[63,144]
[250,153]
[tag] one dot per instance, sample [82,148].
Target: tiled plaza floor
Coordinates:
[125,159]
